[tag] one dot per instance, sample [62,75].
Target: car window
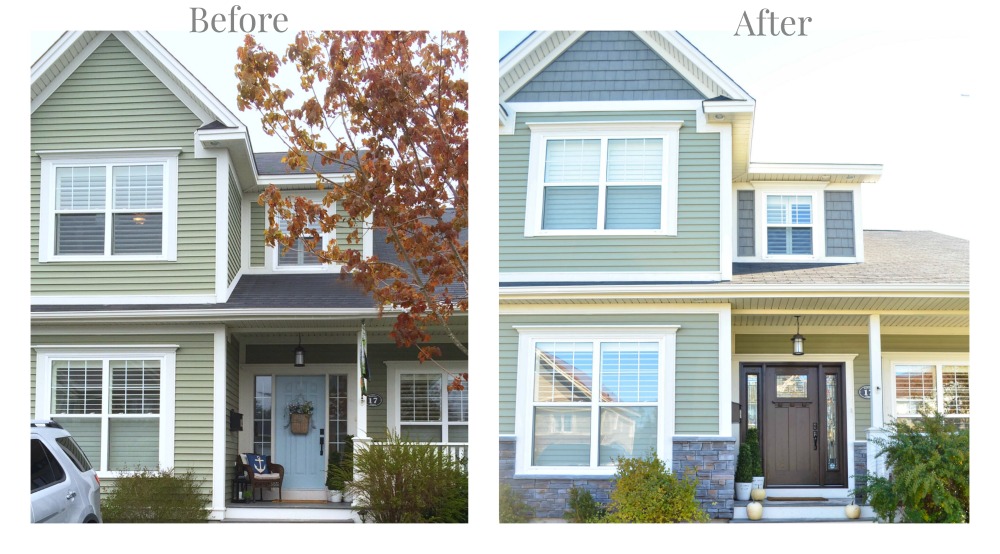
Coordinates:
[45,470]
[75,453]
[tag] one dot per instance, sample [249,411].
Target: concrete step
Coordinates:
[802,511]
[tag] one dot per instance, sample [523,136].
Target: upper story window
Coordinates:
[300,257]
[789,224]
[804,221]
[108,206]
[602,178]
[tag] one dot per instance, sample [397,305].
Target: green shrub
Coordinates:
[756,459]
[744,473]
[929,460]
[646,492]
[582,507]
[408,482]
[513,508]
[156,497]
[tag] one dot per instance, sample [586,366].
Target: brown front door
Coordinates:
[801,422]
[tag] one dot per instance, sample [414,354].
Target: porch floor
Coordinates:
[267,511]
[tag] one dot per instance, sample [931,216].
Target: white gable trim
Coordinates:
[528,47]
[52,55]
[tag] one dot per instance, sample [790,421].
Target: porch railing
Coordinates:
[454,451]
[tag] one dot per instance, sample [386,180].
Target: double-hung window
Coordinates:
[789,224]
[424,409]
[117,404]
[299,256]
[593,397]
[104,206]
[603,178]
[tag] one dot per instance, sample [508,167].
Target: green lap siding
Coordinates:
[112,101]
[695,248]
[696,380]
[193,389]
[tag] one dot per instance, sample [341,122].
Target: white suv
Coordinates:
[64,486]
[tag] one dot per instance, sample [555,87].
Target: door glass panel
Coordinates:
[262,415]
[792,386]
[752,401]
[832,447]
[337,421]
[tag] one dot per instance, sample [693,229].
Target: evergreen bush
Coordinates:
[756,457]
[929,461]
[647,492]
[744,473]
[156,497]
[582,507]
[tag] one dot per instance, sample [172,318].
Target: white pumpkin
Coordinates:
[758,494]
[852,511]
[755,510]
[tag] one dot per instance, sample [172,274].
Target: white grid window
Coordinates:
[942,388]
[428,412]
[789,225]
[112,407]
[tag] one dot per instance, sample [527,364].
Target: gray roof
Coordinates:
[891,257]
[269,163]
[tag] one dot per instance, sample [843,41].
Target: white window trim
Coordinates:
[53,159]
[669,131]
[814,189]
[665,335]
[446,369]
[891,359]
[272,253]
[165,354]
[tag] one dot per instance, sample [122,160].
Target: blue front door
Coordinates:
[302,455]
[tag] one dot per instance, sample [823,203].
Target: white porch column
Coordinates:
[362,423]
[877,408]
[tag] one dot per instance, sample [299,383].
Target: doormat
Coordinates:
[797,498]
[299,501]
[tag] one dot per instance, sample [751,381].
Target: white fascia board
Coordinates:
[817,168]
[261,314]
[681,43]
[747,291]
[44,64]
[526,48]
[729,106]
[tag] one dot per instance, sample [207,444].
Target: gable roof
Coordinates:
[73,47]
[541,49]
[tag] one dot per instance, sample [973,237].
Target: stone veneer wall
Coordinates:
[714,461]
[713,458]
[860,462]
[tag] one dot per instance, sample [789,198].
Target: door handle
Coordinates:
[815,440]
[70,495]
[322,440]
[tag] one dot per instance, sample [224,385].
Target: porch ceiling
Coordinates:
[818,322]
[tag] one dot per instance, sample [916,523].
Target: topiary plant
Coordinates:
[756,459]
[744,473]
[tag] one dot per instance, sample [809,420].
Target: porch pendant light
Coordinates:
[300,354]
[798,346]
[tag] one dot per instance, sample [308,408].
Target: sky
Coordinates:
[868,84]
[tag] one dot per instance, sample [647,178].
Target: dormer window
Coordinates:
[789,225]
[797,221]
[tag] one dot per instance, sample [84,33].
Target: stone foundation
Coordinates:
[712,459]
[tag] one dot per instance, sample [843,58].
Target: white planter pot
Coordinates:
[743,491]
[755,510]
[336,496]
[758,482]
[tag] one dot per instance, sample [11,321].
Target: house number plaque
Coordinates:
[374,400]
[865,392]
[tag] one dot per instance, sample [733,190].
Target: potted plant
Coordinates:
[334,478]
[756,459]
[744,478]
[299,413]
[346,466]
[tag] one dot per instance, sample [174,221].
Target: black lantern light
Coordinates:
[798,341]
[300,354]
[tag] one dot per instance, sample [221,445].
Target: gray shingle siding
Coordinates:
[839,223]
[745,223]
[607,65]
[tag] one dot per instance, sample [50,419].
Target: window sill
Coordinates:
[103,258]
